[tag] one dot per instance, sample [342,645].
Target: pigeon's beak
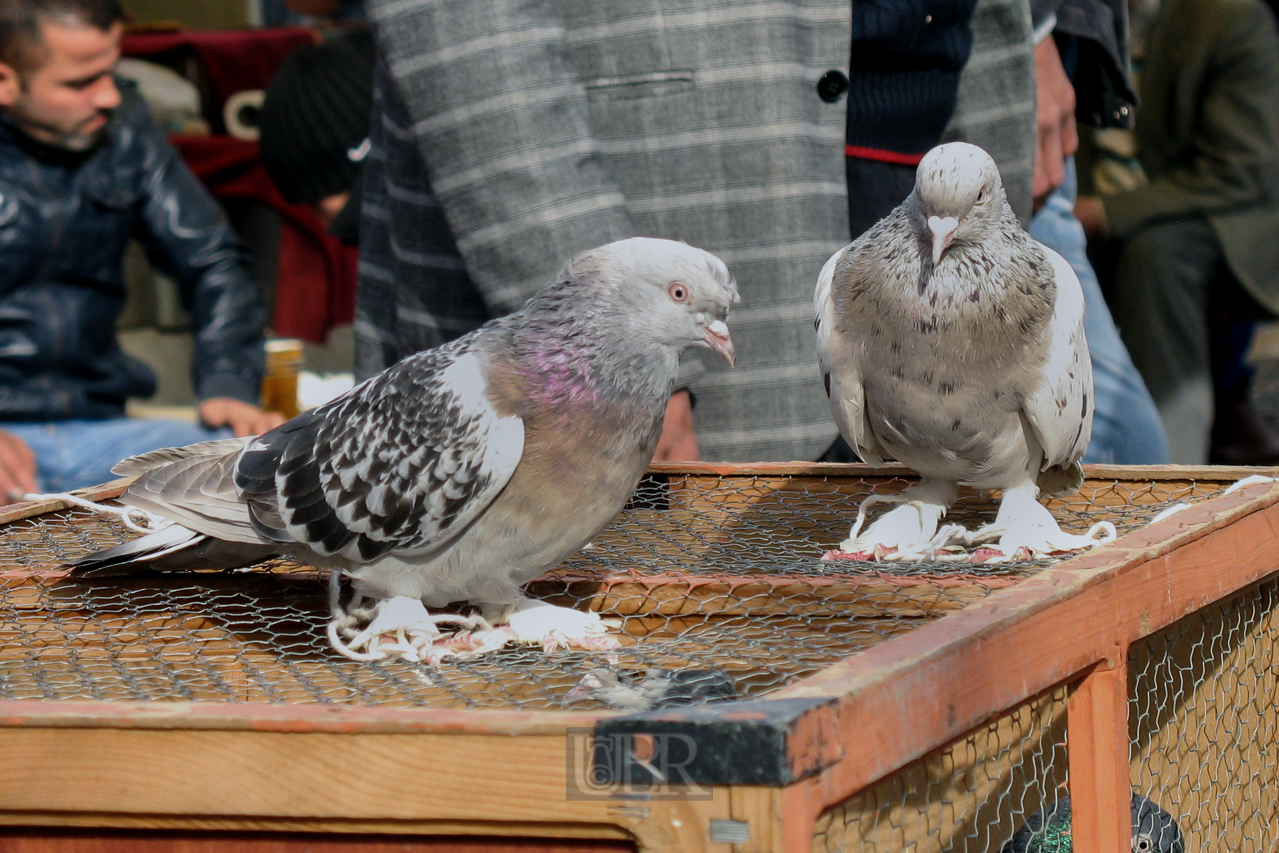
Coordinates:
[716,337]
[943,231]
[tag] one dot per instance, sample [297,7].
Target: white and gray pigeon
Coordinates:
[460,473]
[953,342]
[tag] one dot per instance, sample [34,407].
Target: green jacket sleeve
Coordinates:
[1228,154]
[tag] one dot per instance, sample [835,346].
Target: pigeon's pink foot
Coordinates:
[598,644]
[857,556]
[993,555]
[874,555]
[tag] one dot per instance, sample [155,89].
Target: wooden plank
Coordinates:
[916,692]
[98,841]
[1100,791]
[300,719]
[760,811]
[45,821]
[801,804]
[30,509]
[301,776]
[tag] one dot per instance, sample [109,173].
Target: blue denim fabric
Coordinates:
[1126,429]
[76,453]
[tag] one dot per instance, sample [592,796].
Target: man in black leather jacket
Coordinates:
[82,169]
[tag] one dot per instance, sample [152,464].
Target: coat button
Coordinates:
[832,86]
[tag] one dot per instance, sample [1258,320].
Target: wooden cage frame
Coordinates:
[310,768]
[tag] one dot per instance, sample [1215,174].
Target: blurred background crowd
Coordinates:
[253,187]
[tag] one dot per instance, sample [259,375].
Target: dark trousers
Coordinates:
[1170,286]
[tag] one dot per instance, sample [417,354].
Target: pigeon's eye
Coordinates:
[1142,844]
[981,196]
[678,291]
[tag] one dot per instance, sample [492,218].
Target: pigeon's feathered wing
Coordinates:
[346,483]
[461,472]
[840,359]
[1060,408]
[951,341]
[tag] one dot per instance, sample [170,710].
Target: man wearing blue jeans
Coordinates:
[83,170]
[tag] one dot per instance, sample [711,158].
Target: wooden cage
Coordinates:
[855,706]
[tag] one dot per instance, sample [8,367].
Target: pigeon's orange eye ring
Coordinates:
[678,291]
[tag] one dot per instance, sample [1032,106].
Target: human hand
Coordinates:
[243,418]
[1091,214]
[678,443]
[1058,136]
[17,469]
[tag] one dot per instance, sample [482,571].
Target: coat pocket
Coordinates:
[646,85]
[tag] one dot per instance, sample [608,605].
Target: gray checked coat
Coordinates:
[511,135]
[552,127]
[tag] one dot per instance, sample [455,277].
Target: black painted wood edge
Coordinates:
[728,743]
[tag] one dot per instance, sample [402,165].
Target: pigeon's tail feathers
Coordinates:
[171,548]
[142,463]
[196,488]
[1061,479]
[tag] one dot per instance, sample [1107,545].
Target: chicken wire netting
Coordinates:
[714,585]
[971,797]
[1203,716]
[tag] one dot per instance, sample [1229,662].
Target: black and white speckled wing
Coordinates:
[840,366]
[1060,410]
[404,462]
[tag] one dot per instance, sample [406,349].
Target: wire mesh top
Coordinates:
[714,582]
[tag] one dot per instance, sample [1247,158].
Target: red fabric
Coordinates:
[234,60]
[315,278]
[882,155]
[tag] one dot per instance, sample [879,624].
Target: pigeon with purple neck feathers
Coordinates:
[953,342]
[460,473]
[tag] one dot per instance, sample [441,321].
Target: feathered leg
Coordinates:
[535,622]
[400,627]
[1025,526]
[907,532]
[403,627]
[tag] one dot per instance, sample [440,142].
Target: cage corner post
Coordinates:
[1097,742]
